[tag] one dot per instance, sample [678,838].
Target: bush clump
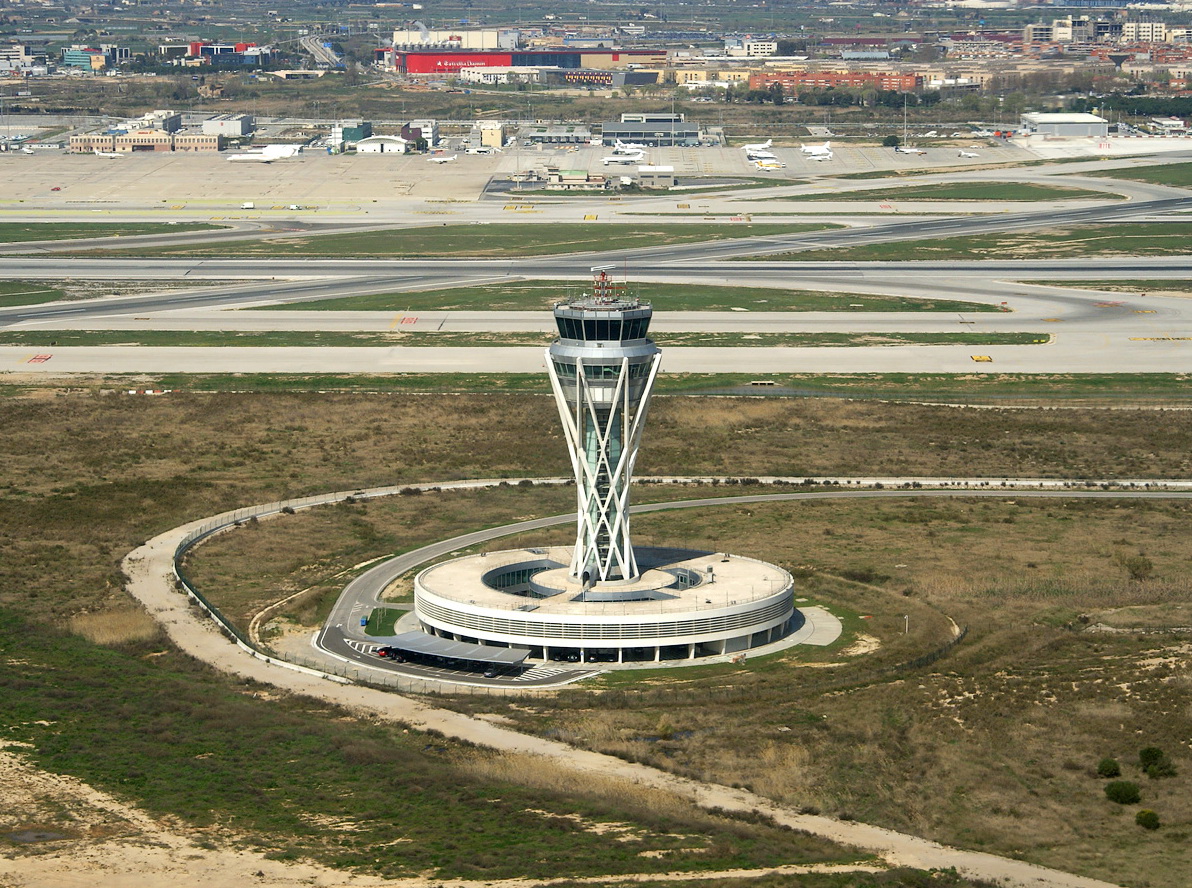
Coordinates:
[1147,819]
[1109,767]
[1124,792]
[1155,763]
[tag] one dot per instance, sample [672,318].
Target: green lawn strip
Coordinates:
[335,339]
[1140,239]
[1175,174]
[985,388]
[1126,286]
[181,741]
[381,621]
[991,191]
[19,232]
[513,239]
[28,293]
[541,295]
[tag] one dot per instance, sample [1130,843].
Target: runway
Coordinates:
[1085,330]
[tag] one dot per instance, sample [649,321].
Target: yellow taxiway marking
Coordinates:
[591,217]
[982,359]
[1144,311]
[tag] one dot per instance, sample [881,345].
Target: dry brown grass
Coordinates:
[123,625]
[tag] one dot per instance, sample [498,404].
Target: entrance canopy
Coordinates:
[432,646]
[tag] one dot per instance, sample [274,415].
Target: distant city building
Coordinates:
[347,134]
[793,81]
[84,58]
[442,62]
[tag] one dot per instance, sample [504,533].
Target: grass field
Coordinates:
[542,295]
[996,191]
[1008,389]
[513,239]
[1177,174]
[28,293]
[1119,286]
[19,232]
[16,292]
[1122,239]
[992,748]
[325,339]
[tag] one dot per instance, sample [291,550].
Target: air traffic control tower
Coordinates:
[602,370]
[601,600]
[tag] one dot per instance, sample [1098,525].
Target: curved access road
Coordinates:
[150,572]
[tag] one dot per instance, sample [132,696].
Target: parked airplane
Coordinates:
[636,157]
[442,158]
[819,157]
[761,147]
[769,164]
[99,153]
[620,147]
[267,154]
[760,155]
[967,154]
[907,149]
[813,150]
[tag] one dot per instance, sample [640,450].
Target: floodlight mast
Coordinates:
[602,370]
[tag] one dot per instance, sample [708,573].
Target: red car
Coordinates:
[56,188]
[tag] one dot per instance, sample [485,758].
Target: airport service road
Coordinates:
[342,638]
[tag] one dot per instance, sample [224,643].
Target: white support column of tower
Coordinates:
[602,370]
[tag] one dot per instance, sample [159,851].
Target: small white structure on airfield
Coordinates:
[383,145]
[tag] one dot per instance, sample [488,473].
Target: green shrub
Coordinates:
[1124,792]
[1147,819]
[1108,767]
[1155,763]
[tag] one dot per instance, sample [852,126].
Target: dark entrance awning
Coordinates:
[431,645]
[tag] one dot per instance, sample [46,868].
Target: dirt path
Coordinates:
[150,580]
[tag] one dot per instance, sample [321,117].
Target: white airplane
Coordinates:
[967,154]
[760,147]
[813,150]
[907,149]
[28,151]
[636,157]
[267,154]
[442,158]
[99,153]
[620,147]
[821,157]
[760,155]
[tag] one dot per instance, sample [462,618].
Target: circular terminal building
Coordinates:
[602,599]
[682,605]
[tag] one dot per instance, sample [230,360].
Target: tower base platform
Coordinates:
[684,605]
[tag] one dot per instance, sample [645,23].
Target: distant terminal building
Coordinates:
[441,62]
[1069,126]
[656,130]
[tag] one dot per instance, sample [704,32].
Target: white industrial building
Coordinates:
[382,145]
[230,125]
[1065,126]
